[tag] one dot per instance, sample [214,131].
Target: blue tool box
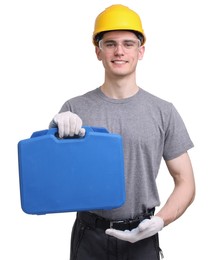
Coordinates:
[71,174]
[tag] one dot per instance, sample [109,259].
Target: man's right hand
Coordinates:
[69,124]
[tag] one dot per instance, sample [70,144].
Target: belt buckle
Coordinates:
[115,222]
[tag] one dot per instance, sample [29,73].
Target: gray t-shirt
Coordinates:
[151,128]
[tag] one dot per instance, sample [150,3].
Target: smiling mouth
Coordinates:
[119,61]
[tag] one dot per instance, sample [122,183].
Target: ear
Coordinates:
[141,52]
[98,53]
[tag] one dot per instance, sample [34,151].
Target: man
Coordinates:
[151,128]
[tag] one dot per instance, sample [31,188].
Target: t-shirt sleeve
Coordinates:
[177,139]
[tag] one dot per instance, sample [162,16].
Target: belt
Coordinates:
[95,221]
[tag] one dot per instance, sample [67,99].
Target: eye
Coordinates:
[110,44]
[129,44]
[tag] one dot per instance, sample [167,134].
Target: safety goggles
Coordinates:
[126,45]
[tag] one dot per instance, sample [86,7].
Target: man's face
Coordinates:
[119,52]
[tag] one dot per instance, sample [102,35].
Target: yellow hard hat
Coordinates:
[118,17]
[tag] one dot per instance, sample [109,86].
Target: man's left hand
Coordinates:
[147,228]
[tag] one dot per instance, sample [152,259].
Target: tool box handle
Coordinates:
[54,131]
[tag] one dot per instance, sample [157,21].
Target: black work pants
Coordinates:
[91,243]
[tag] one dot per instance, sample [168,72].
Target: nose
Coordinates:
[119,50]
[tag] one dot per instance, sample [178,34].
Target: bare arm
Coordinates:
[183,194]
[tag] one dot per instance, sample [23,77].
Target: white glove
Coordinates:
[69,124]
[147,228]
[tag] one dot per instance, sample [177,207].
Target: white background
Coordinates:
[46,57]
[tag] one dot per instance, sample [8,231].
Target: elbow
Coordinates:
[193,195]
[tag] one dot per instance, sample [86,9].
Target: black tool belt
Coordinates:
[96,221]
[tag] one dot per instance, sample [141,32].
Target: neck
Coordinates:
[119,89]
